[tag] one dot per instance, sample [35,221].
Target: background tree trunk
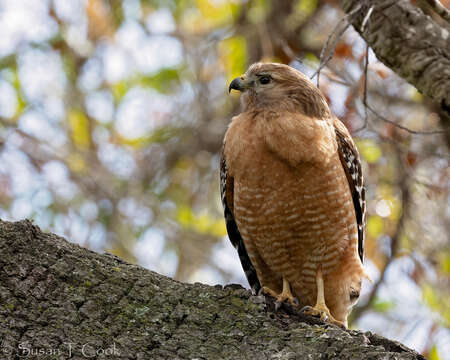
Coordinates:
[58,300]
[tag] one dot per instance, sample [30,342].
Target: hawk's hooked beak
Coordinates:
[238,84]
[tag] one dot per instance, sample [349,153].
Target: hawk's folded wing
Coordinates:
[352,165]
[226,192]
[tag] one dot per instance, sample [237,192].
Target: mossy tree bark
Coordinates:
[58,300]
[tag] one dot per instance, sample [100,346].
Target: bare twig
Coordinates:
[414,132]
[433,187]
[323,63]
[405,149]
[338,34]
[332,77]
[366,18]
[440,9]
[366,66]
[288,50]
[374,112]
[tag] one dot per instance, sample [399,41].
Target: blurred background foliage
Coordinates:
[112,115]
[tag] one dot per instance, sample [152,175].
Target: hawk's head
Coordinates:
[280,87]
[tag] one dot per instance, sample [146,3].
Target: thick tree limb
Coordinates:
[410,43]
[58,299]
[442,11]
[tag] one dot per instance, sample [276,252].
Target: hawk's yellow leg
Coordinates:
[320,309]
[286,294]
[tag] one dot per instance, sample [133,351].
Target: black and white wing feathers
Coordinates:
[352,165]
[226,192]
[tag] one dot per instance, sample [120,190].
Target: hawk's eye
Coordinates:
[265,79]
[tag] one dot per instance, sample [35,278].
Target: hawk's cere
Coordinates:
[293,194]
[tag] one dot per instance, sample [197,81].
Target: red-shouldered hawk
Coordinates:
[293,194]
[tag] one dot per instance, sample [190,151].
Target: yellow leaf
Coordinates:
[444,262]
[369,150]
[233,54]
[203,224]
[429,296]
[209,15]
[375,226]
[138,142]
[437,302]
[21,103]
[306,7]
[159,135]
[80,128]
[396,208]
[184,216]
[218,228]
[433,353]
[214,11]
[310,59]
[119,90]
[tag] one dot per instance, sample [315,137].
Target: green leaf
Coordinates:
[158,136]
[382,306]
[161,81]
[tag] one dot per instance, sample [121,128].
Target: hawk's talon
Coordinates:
[305,309]
[320,313]
[323,314]
[321,310]
[269,291]
[284,296]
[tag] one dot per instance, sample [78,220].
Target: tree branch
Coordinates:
[440,9]
[410,43]
[58,300]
